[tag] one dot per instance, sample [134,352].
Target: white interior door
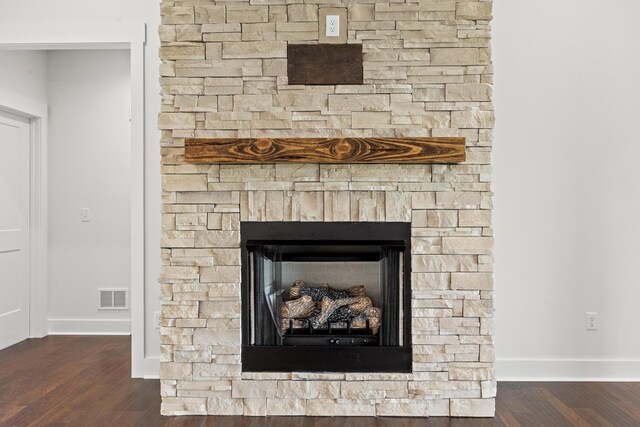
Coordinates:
[14,229]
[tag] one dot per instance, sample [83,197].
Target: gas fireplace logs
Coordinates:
[299,308]
[299,289]
[320,306]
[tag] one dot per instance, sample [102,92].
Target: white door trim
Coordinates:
[36,112]
[52,36]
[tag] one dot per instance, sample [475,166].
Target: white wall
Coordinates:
[24,73]
[31,12]
[89,95]
[567,187]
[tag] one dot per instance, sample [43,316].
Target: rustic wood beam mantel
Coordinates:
[325,150]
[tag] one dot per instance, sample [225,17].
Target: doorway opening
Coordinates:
[56,37]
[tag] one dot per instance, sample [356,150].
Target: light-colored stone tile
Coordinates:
[263,31]
[374,389]
[184,182]
[298,172]
[396,11]
[255,407]
[361,12]
[473,407]
[456,56]
[211,197]
[175,371]
[181,310]
[458,200]
[305,206]
[443,263]
[209,14]
[472,281]
[475,118]
[480,10]
[214,221]
[302,12]
[274,209]
[254,389]
[177,15]
[430,281]
[297,31]
[170,274]
[402,408]
[252,102]
[467,245]
[341,407]
[337,206]
[361,102]
[184,406]
[286,407]
[398,206]
[301,101]
[217,239]
[469,92]
[478,308]
[220,274]
[201,356]
[308,389]
[368,205]
[226,256]
[254,49]
[225,406]
[488,354]
[247,13]
[182,51]
[475,218]
[219,309]
[177,121]
[370,120]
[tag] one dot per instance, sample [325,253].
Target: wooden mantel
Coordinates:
[325,150]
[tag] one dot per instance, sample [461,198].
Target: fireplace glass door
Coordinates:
[338,289]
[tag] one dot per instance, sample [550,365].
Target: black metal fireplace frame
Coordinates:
[301,358]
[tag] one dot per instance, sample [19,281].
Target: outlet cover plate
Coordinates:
[333,26]
[341,13]
[592,321]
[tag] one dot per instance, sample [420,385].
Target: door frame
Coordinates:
[56,36]
[36,113]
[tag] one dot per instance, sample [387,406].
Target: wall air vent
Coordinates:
[113,299]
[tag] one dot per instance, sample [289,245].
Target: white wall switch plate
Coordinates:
[333,26]
[85,215]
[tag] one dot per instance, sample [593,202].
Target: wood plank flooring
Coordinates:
[84,381]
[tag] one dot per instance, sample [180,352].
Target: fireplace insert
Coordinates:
[326,297]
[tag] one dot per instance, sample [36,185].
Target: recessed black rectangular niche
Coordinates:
[325,64]
[326,296]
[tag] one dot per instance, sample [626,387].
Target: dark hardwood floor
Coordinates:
[82,381]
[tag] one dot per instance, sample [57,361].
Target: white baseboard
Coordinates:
[567,370]
[89,326]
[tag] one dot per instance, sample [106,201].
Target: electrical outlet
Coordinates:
[156,320]
[592,321]
[85,215]
[333,26]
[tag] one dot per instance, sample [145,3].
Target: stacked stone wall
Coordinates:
[427,72]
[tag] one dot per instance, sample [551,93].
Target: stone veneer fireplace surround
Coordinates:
[427,72]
